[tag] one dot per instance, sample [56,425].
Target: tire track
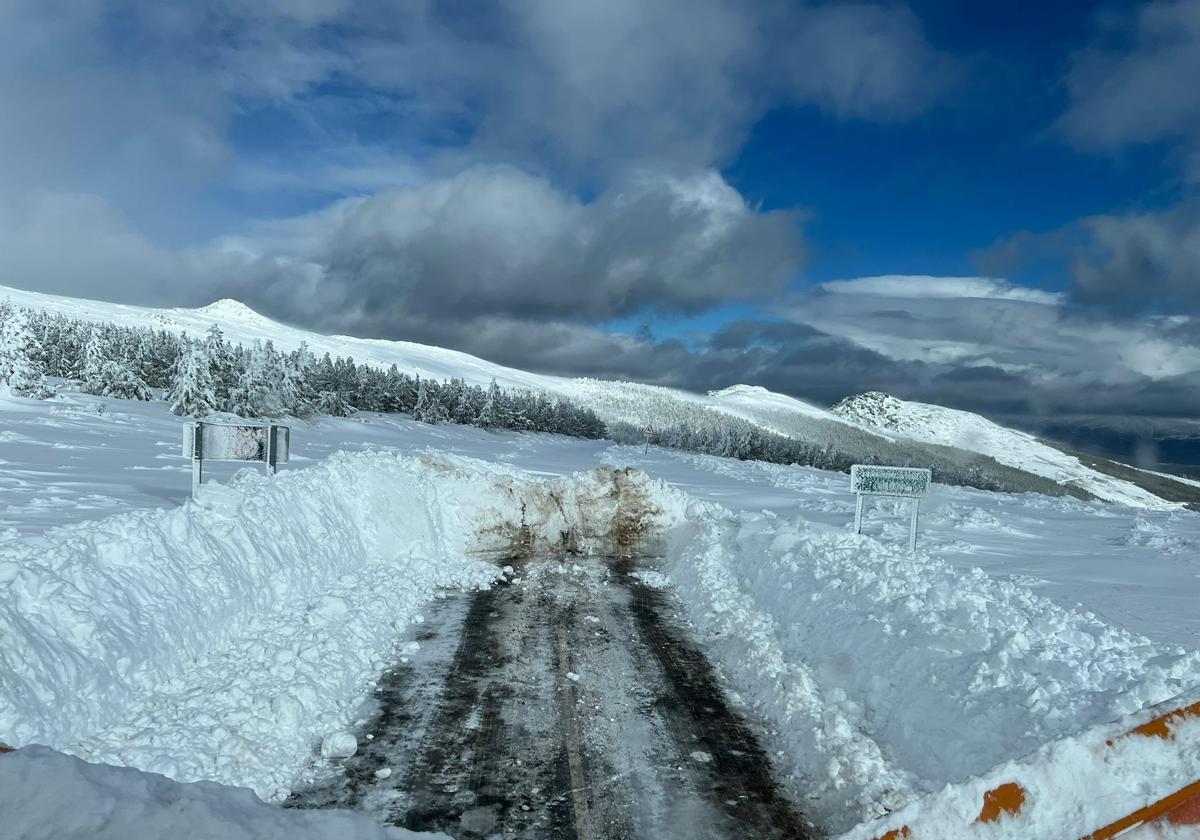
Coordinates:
[572,706]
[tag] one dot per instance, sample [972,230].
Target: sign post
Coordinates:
[891,482]
[267,444]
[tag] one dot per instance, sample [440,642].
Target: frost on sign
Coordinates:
[867,480]
[236,443]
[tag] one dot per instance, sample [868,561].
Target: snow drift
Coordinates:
[223,639]
[887,674]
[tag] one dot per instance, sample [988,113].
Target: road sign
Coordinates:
[266,444]
[895,482]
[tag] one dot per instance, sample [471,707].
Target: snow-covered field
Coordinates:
[225,639]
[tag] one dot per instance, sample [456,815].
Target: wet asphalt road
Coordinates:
[566,702]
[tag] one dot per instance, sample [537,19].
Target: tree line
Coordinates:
[202,376]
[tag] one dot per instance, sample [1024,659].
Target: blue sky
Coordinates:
[663,190]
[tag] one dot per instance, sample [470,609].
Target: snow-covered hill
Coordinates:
[964,430]
[859,427]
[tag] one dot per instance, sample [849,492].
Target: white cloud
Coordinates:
[986,323]
[920,286]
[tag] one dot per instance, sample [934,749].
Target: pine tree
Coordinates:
[490,414]
[95,354]
[333,404]
[297,396]
[19,372]
[191,391]
[257,393]
[115,379]
[422,407]
[221,364]
[466,405]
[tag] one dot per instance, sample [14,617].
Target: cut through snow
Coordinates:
[226,639]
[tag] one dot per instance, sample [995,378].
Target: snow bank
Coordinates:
[119,803]
[1071,787]
[888,674]
[224,639]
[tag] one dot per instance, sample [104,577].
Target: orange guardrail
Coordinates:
[1181,808]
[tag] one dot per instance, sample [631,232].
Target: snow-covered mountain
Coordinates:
[868,424]
[964,430]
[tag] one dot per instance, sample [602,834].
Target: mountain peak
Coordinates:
[874,409]
[230,309]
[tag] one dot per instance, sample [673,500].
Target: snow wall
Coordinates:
[224,639]
[221,639]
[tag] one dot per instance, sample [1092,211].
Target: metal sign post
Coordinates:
[267,444]
[197,456]
[890,482]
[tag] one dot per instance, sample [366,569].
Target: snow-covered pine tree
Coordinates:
[95,354]
[422,406]
[297,395]
[257,391]
[106,368]
[333,404]
[466,403]
[191,392]
[116,379]
[345,379]
[221,365]
[393,389]
[371,394]
[19,373]
[490,413]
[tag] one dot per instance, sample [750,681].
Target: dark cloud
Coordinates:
[1139,263]
[1129,264]
[495,240]
[1137,82]
[995,348]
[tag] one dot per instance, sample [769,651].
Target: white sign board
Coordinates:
[906,482]
[227,442]
[895,482]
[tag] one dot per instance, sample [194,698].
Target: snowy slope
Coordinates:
[769,409]
[614,401]
[244,325]
[628,402]
[964,430]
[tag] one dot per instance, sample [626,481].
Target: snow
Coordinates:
[221,639]
[338,745]
[888,674]
[748,400]
[964,430]
[1118,780]
[225,638]
[234,638]
[45,795]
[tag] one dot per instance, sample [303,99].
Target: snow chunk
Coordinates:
[339,745]
[117,803]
